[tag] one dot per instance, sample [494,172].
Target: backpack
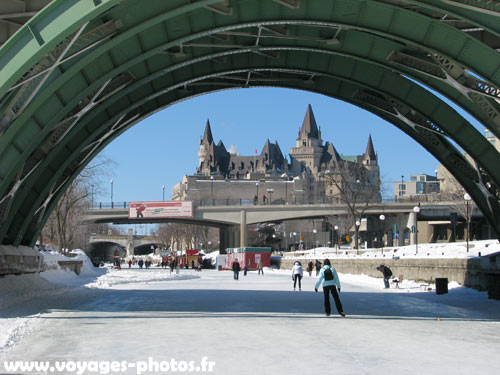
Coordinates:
[328,274]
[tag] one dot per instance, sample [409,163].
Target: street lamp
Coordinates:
[212,179]
[467,198]
[111,181]
[337,245]
[382,218]
[270,191]
[314,240]
[163,189]
[210,245]
[257,185]
[295,240]
[358,223]
[416,209]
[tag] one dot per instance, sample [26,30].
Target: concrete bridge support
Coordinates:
[130,242]
[243,229]
[412,225]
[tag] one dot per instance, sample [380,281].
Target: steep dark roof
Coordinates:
[207,137]
[370,151]
[330,155]
[309,126]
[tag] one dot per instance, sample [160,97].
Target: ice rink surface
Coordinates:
[259,325]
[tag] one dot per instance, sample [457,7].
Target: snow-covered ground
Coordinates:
[257,324]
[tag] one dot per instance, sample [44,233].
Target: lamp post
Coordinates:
[295,240]
[336,227]
[314,240]
[92,196]
[212,179]
[416,209]
[358,223]
[163,190]
[382,218]
[467,198]
[257,185]
[210,245]
[111,181]
[270,191]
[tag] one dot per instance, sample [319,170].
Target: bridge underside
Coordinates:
[81,72]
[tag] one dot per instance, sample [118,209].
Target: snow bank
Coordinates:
[137,276]
[425,250]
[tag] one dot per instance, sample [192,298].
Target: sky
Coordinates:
[159,150]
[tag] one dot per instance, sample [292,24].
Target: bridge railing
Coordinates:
[280,201]
[107,205]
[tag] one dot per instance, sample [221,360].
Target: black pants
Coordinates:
[338,304]
[236,274]
[295,278]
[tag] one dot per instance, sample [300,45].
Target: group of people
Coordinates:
[141,263]
[236,267]
[327,275]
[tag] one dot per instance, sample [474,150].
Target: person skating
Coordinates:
[236,269]
[386,271]
[328,275]
[297,274]
[318,266]
[310,267]
[245,270]
[260,267]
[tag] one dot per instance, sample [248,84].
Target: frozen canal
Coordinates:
[259,325]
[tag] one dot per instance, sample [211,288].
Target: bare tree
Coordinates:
[459,201]
[65,224]
[182,235]
[352,185]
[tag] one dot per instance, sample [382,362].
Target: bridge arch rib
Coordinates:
[126,61]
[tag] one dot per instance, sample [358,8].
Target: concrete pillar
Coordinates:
[130,242]
[412,224]
[224,239]
[243,229]
[402,227]
[389,241]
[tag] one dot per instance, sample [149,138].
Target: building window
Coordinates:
[420,188]
[402,189]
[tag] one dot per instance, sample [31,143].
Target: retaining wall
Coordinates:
[476,272]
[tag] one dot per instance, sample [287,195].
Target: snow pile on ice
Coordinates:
[137,276]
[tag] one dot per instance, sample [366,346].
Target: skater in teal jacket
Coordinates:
[328,275]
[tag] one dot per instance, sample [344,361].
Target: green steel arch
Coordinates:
[81,72]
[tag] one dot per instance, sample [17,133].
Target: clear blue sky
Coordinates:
[164,147]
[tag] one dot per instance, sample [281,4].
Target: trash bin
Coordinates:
[441,285]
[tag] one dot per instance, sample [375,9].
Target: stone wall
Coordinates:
[17,260]
[468,272]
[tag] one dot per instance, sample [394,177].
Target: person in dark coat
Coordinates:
[236,269]
[318,266]
[310,267]
[245,270]
[328,275]
[386,271]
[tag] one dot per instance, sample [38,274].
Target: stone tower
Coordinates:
[308,149]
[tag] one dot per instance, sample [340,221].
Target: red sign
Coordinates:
[139,210]
[191,252]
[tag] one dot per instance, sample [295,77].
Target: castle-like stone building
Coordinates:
[227,178]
